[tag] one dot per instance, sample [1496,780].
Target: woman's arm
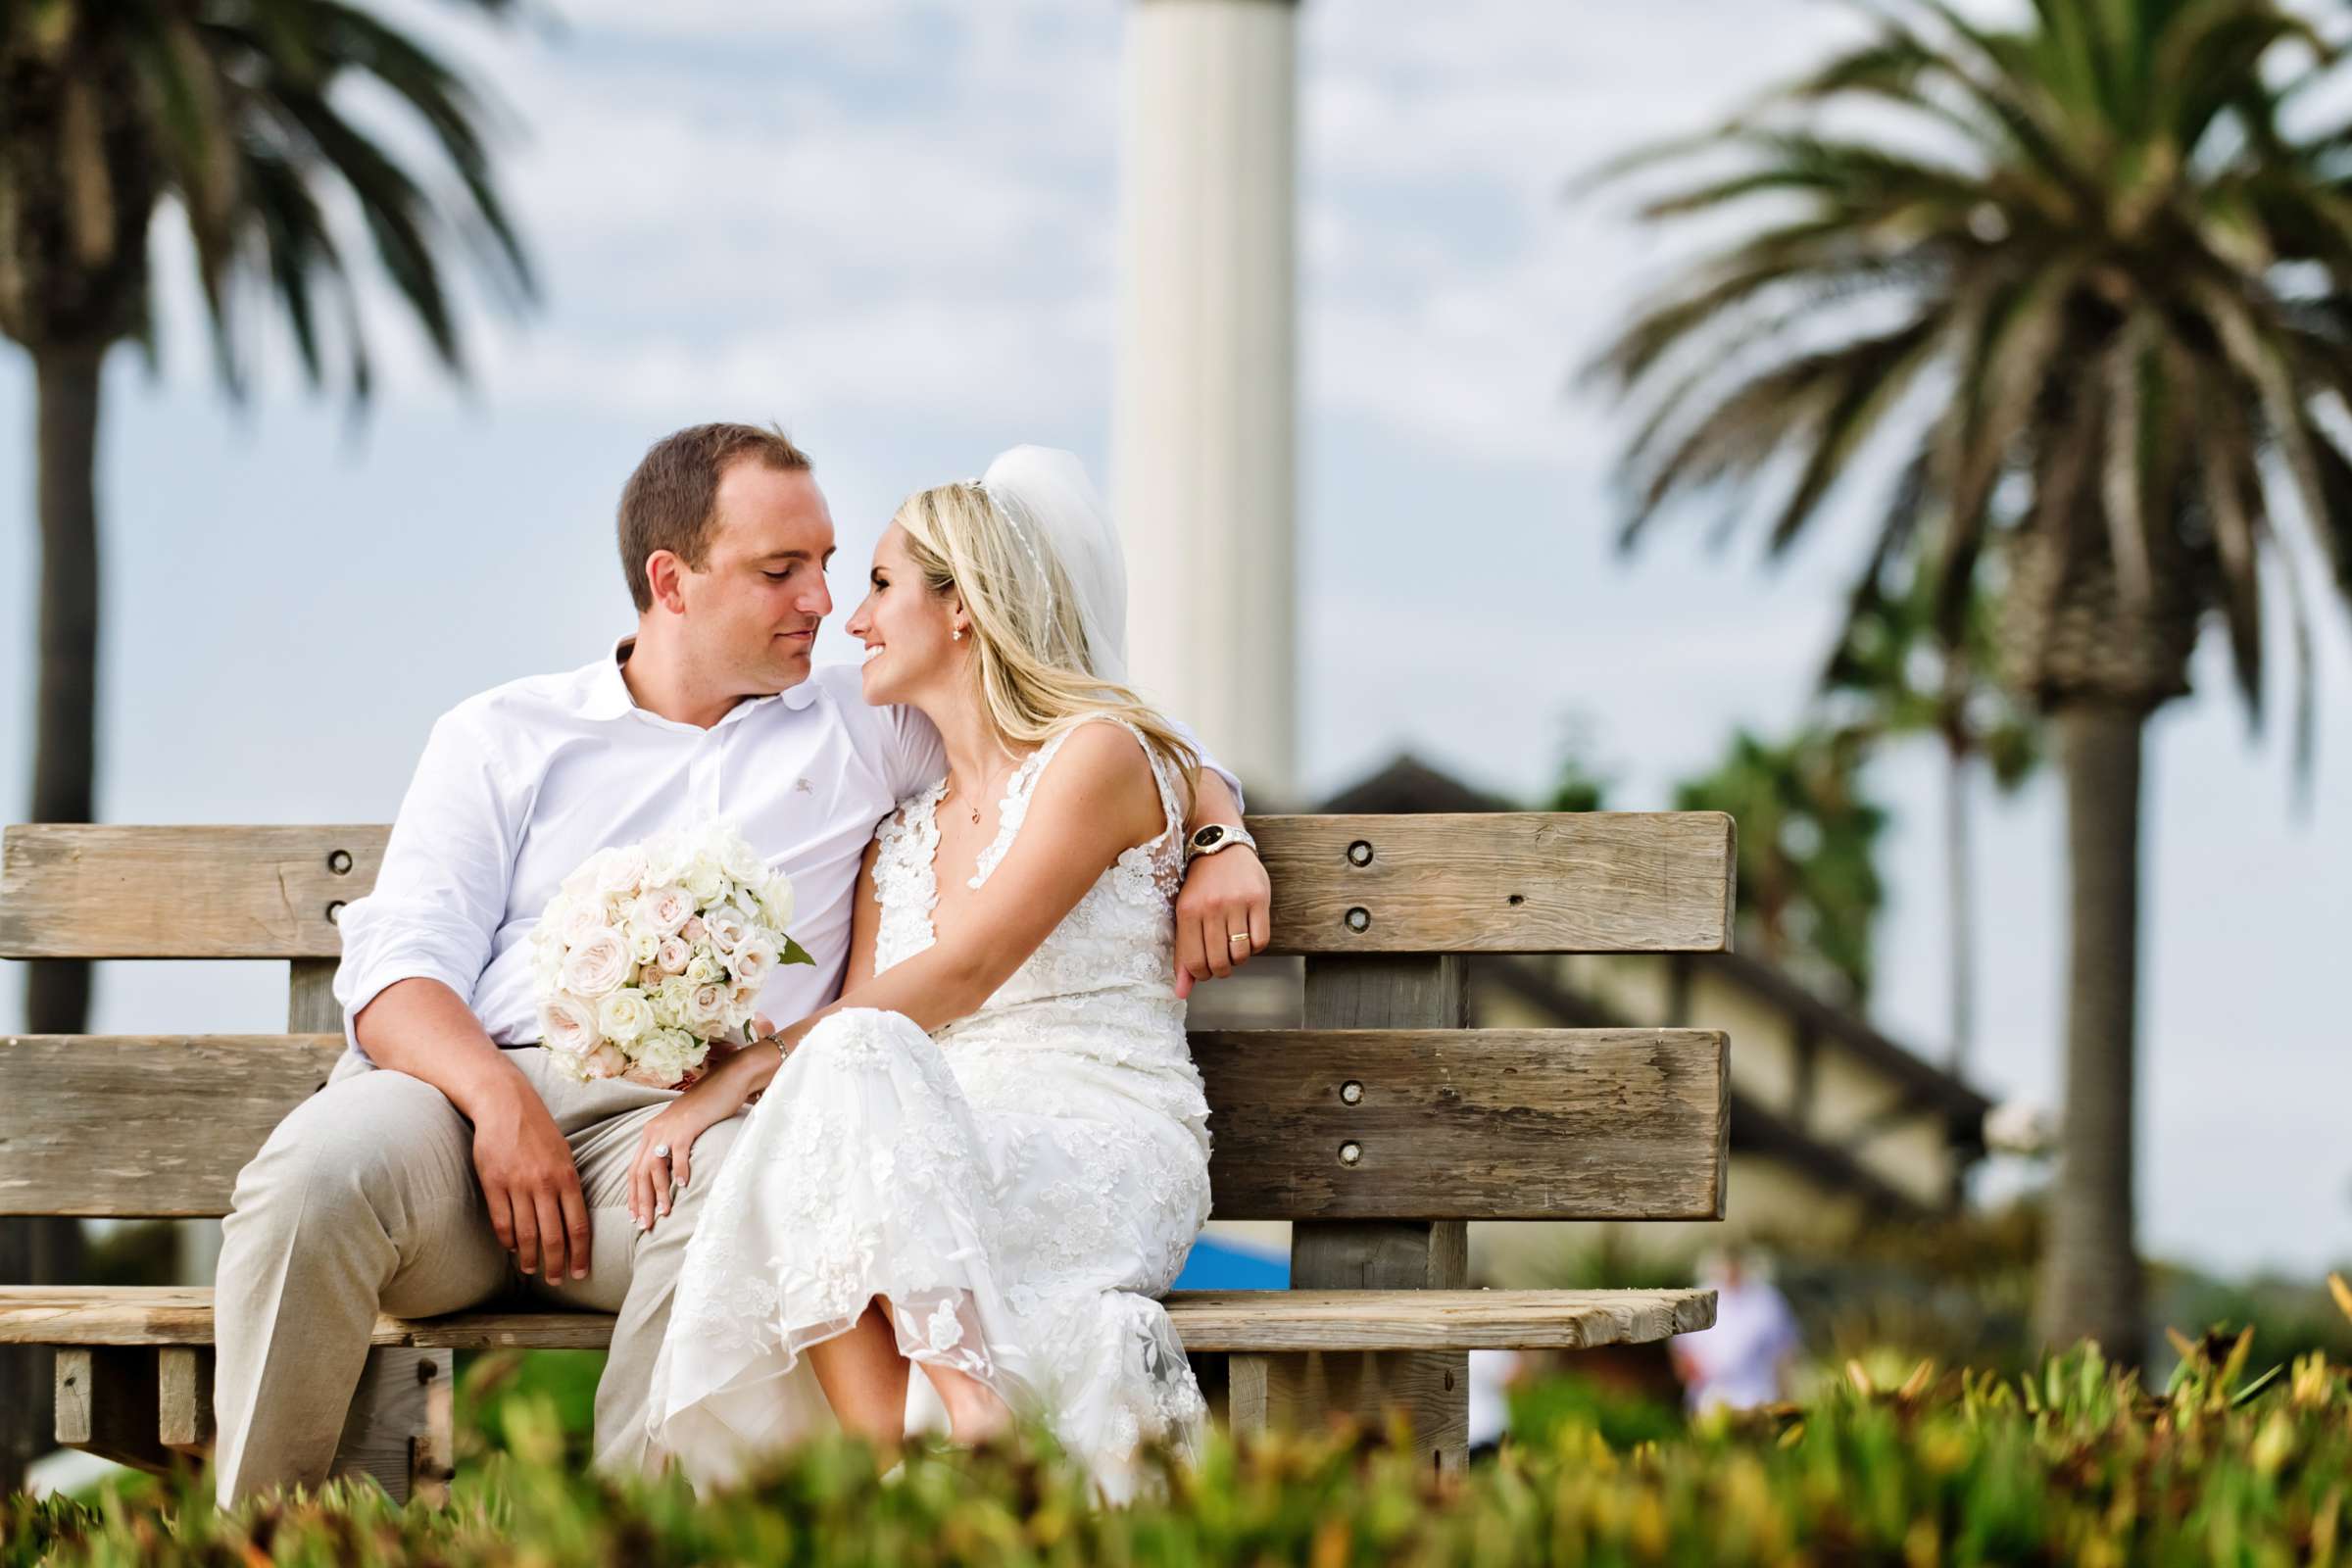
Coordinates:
[1096,801]
[865,920]
[1225,896]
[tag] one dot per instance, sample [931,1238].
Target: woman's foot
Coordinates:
[976,1415]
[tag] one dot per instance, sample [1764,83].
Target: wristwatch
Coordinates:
[1212,837]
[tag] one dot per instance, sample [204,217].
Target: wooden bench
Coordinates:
[1379,1129]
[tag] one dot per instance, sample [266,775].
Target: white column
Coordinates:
[1202,444]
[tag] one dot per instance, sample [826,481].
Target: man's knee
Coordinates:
[356,1149]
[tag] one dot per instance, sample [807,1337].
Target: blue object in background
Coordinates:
[1216,1265]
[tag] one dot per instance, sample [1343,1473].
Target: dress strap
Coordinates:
[1013,810]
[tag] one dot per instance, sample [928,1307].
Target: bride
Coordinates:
[991,1155]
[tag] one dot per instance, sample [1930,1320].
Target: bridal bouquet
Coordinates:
[652,951]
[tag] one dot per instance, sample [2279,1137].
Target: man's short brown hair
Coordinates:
[669,503]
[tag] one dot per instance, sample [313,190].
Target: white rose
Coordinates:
[754,961]
[702,969]
[742,998]
[596,967]
[674,1001]
[741,861]
[624,1016]
[606,1061]
[621,870]
[705,880]
[644,945]
[667,857]
[568,1023]
[671,956]
[775,897]
[729,926]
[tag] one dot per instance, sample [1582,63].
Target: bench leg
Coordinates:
[398,1433]
[1303,1391]
[185,1398]
[108,1404]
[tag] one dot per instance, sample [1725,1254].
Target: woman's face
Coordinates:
[905,627]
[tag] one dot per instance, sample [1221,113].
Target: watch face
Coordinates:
[1209,837]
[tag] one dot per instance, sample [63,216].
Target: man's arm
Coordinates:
[412,951]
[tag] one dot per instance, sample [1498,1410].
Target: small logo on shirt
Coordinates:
[800,786]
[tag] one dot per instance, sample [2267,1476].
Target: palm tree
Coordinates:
[1808,875]
[2088,289]
[230,112]
[1890,678]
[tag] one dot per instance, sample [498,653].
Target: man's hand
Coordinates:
[532,1184]
[1222,915]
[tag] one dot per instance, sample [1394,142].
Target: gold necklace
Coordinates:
[976,803]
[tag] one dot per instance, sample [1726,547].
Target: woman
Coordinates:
[991,1155]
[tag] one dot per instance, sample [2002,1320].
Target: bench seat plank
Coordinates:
[1250,1321]
[1445,1123]
[1498,882]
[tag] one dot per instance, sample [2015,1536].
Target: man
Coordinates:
[447,1161]
[1745,1359]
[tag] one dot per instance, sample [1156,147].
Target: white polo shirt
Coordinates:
[519,785]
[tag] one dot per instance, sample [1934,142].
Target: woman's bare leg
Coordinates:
[975,1414]
[865,1377]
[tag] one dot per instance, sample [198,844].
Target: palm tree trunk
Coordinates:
[65,745]
[57,998]
[2090,1283]
[1960,891]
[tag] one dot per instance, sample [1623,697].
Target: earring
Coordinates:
[956,635]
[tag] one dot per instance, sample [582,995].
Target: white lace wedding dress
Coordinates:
[1020,1187]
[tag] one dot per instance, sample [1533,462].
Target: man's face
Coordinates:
[753,610]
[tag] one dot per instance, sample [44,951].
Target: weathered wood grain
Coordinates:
[1501,882]
[106,1406]
[184,1397]
[144,1125]
[76,891]
[1372,998]
[310,1005]
[1466,1123]
[1261,1321]
[1480,1124]
[1509,882]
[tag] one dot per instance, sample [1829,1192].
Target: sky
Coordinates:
[892,226]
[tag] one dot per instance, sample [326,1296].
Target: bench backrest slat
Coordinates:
[1445,1124]
[1521,882]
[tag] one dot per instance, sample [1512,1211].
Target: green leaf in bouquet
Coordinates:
[793,953]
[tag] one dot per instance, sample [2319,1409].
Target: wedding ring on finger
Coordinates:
[1236,936]
[661,1151]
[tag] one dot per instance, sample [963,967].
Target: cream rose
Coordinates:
[621,870]
[596,967]
[754,961]
[729,926]
[707,1007]
[606,1062]
[624,1016]
[673,955]
[664,909]
[692,930]
[568,1023]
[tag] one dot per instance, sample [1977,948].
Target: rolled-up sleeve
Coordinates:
[1184,732]
[437,904]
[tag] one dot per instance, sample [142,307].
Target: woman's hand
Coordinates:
[654,1175]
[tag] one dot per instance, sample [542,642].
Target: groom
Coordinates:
[446,1161]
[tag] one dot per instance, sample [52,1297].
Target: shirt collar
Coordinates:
[608,694]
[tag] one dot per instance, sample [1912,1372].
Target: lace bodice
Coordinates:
[1115,949]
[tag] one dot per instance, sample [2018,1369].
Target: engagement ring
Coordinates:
[661,1151]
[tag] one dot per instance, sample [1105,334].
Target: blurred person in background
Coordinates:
[1743,1360]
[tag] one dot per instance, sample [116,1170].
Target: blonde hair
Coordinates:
[1035,669]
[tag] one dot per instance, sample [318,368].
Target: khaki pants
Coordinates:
[365,1199]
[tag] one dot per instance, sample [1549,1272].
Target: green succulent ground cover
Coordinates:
[2074,1462]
